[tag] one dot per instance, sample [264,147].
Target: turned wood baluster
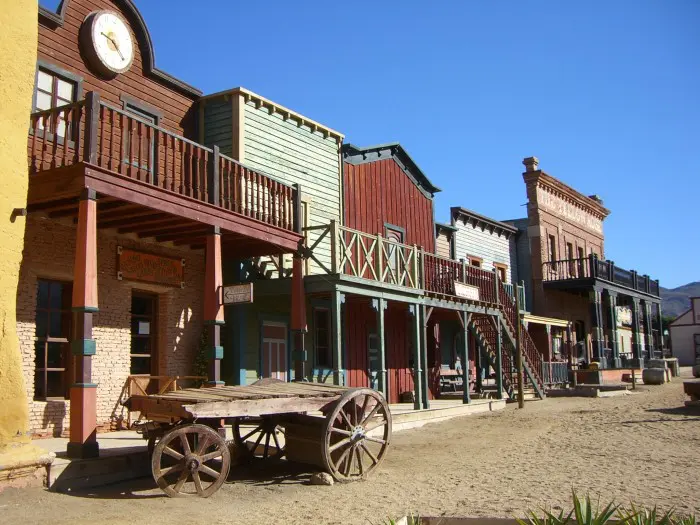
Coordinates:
[111,140]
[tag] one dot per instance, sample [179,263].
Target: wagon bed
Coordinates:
[270,420]
[263,398]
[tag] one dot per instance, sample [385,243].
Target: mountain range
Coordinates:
[675,301]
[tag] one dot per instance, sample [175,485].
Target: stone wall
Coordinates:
[49,253]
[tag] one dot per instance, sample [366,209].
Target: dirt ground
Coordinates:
[643,447]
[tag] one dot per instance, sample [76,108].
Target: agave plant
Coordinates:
[549,518]
[585,514]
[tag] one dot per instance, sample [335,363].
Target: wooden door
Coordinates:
[274,350]
[144,323]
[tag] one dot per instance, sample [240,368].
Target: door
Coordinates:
[144,350]
[374,366]
[394,235]
[139,141]
[274,350]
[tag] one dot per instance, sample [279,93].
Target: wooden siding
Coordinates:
[522,257]
[60,47]
[361,321]
[219,125]
[380,192]
[442,246]
[490,247]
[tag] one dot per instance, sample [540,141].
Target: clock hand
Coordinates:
[116,45]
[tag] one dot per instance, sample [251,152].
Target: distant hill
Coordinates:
[677,300]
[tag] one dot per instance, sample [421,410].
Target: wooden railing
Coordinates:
[555,372]
[100,134]
[440,275]
[592,267]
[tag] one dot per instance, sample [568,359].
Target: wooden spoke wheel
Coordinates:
[356,435]
[191,460]
[259,438]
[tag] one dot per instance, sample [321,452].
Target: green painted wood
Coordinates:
[337,336]
[466,319]
[417,366]
[296,154]
[424,351]
[380,305]
[218,125]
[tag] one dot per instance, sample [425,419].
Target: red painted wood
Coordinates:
[380,192]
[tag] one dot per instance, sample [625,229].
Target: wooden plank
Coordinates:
[258,407]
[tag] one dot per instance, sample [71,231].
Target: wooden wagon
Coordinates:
[344,431]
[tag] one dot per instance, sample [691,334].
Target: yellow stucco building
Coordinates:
[18,52]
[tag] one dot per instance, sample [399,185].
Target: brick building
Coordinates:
[561,258]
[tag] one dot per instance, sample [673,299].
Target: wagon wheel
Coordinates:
[356,435]
[264,441]
[190,461]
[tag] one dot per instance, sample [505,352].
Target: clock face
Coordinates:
[111,42]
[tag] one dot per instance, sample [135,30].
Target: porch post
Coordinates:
[298,325]
[478,364]
[83,393]
[414,310]
[637,351]
[213,309]
[379,306]
[646,313]
[612,329]
[499,357]
[661,327]
[424,350]
[337,320]
[466,319]
[595,298]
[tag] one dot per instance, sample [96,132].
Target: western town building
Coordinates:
[685,334]
[172,234]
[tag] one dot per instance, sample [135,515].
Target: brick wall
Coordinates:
[49,252]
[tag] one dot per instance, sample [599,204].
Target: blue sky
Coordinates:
[606,94]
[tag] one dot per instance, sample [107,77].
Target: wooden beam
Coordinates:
[184,236]
[169,229]
[140,223]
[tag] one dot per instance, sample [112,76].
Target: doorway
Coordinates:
[144,333]
[274,350]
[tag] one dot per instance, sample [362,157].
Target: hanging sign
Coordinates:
[150,268]
[237,294]
[466,291]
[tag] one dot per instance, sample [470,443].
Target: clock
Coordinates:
[107,43]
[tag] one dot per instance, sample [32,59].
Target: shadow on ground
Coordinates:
[259,474]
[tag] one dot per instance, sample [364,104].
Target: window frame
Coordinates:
[66,76]
[329,342]
[502,267]
[552,248]
[471,259]
[148,114]
[67,370]
[152,335]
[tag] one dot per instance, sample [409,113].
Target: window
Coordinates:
[502,270]
[476,262]
[139,144]
[143,334]
[322,337]
[552,248]
[395,235]
[52,347]
[52,91]
[581,257]
[570,257]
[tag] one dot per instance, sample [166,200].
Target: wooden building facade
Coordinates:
[128,216]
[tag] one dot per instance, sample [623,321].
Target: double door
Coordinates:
[274,351]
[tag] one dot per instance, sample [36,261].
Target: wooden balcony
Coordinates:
[155,183]
[586,271]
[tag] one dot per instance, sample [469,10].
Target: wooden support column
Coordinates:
[499,356]
[478,363]
[648,343]
[298,325]
[425,314]
[519,351]
[379,306]
[414,311]
[661,325]
[612,329]
[337,331]
[637,347]
[213,307]
[465,319]
[83,393]
[598,344]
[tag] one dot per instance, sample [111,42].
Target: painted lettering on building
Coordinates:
[150,268]
[564,209]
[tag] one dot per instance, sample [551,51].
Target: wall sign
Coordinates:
[238,294]
[624,316]
[133,265]
[466,291]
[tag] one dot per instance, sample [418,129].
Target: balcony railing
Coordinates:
[593,268]
[94,132]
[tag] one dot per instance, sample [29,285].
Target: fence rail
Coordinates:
[592,267]
[98,133]
[555,372]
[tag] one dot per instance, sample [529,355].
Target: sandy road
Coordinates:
[643,447]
